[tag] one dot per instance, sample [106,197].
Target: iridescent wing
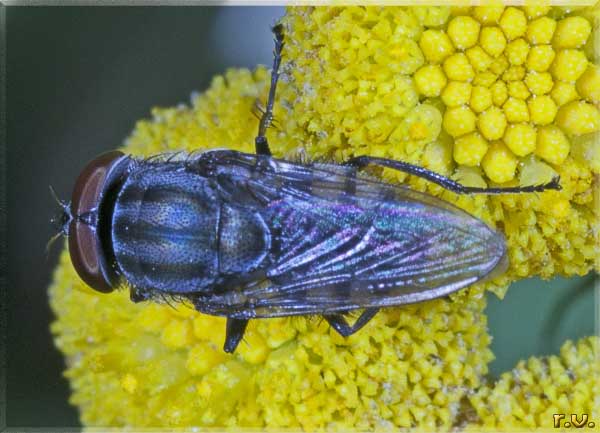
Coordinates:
[344,241]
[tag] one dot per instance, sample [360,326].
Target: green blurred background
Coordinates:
[77,80]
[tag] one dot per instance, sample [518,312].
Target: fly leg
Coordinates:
[338,322]
[262,145]
[137,294]
[447,183]
[234,332]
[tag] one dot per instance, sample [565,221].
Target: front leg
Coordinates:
[262,145]
[137,294]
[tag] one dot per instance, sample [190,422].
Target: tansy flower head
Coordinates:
[365,81]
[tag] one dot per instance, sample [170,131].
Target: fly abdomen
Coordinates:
[164,230]
[244,240]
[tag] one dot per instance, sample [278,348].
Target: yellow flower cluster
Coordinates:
[506,74]
[535,390]
[349,87]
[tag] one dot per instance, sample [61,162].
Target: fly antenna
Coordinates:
[61,221]
[60,202]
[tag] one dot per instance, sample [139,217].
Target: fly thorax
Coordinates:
[164,230]
[244,240]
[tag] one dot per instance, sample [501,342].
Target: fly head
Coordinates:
[86,220]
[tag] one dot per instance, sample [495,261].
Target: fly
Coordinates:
[250,236]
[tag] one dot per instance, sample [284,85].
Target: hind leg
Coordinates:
[338,322]
[449,184]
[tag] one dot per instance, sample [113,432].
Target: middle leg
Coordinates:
[234,332]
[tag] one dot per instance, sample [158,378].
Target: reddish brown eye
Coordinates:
[86,246]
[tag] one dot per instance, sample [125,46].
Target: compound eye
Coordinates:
[85,244]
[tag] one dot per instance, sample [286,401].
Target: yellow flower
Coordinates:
[535,390]
[348,88]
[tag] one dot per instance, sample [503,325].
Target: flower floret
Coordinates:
[588,84]
[463,31]
[540,58]
[520,138]
[517,51]
[492,40]
[541,30]
[569,64]
[513,23]
[456,93]
[430,80]
[572,32]
[436,45]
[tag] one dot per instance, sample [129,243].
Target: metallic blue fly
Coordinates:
[251,236]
